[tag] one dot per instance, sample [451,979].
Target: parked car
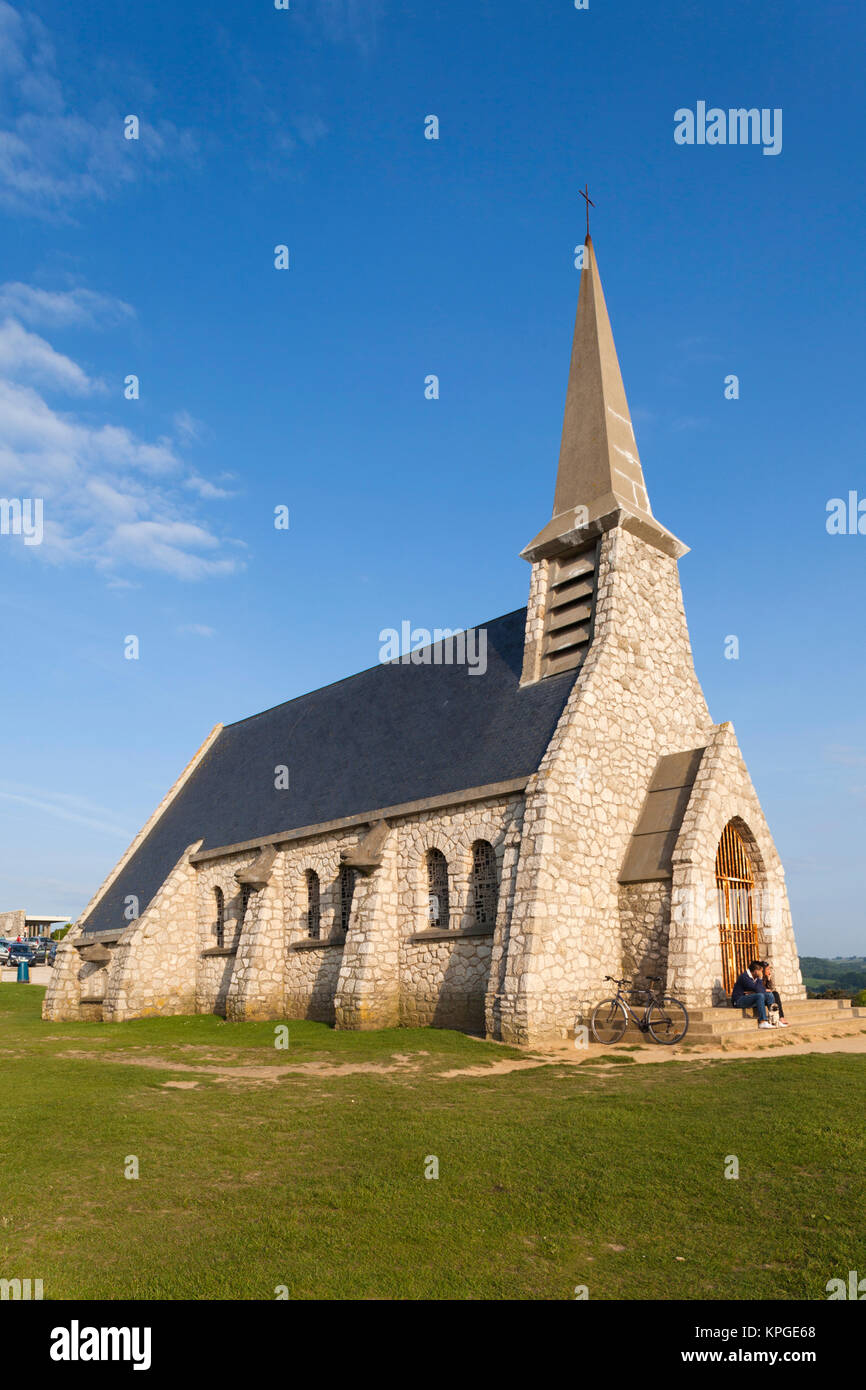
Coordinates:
[40,949]
[4,951]
[18,951]
[50,953]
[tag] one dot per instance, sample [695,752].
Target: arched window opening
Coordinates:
[220,923]
[314,920]
[246,894]
[484,888]
[347,889]
[735,882]
[438,913]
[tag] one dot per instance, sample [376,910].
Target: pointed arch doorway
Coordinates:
[735,881]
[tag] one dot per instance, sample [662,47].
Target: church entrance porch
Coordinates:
[735,881]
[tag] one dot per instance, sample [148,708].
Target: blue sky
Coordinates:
[306,387]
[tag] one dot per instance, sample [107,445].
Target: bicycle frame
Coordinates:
[642,1024]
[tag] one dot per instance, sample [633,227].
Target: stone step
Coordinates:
[795,1008]
[799,1013]
[776,1038]
[818,1027]
[719,1024]
[735,1018]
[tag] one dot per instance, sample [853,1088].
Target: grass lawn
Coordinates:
[253,1175]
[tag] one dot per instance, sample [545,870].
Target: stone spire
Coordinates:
[600,474]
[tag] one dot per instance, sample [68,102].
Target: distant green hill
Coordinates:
[844,975]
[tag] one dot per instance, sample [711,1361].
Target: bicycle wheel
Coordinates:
[609,1021]
[668,1021]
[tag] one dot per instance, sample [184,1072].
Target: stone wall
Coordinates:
[723,792]
[445,975]
[445,982]
[13,924]
[213,971]
[312,977]
[213,977]
[312,970]
[153,966]
[533,639]
[63,996]
[391,968]
[636,698]
[645,911]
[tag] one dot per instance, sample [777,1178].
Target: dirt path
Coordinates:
[566,1051]
[245,1071]
[406,1064]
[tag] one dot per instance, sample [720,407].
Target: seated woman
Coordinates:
[771,991]
[749,992]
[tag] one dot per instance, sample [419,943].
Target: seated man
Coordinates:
[750,991]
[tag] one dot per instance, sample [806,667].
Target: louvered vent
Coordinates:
[570,611]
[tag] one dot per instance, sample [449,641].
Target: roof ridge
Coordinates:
[282,704]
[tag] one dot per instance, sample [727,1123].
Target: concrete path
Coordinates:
[39,974]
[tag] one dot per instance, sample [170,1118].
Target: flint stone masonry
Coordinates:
[603,791]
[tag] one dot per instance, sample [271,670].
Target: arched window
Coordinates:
[246,894]
[437,889]
[220,923]
[313,913]
[735,881]
[483,887]
[347,888]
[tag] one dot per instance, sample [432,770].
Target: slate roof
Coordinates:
[393,734]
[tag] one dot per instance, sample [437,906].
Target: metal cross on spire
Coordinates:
[584,193]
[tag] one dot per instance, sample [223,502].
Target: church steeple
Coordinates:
[600,470]
[598,458]
[600,488]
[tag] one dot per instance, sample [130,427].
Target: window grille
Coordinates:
[438,912]
[735,881]
[246,894]
[484,886]
[347,889]
[313,912]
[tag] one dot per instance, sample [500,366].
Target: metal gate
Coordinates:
[735,881]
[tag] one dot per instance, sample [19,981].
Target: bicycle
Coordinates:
[664,1018]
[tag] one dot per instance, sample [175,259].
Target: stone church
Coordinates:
[464,848]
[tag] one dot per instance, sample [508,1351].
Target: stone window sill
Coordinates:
[449,934]
[92,999]
[220,951]
[315,943]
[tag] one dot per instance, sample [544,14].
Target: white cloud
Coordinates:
[169,546]
[204,488]
[25,354]
[197,630]
[311,129]
[76,308]
[352,21]
[110,498]
[845,755]
[188,426]
[51,156]
[64,807]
